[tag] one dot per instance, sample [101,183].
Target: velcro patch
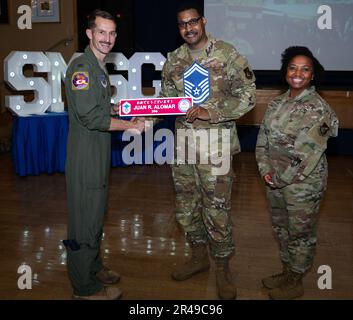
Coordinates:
[324,129]
[319,133]
[248,73]
[80,81]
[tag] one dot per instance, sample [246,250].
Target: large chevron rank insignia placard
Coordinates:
[197,83]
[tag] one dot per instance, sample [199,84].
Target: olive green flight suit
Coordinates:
[87,168]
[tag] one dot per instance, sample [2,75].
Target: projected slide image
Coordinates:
[261,30]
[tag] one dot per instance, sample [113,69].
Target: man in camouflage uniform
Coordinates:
[290,156]
[203,195]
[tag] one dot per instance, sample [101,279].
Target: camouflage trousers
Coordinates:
[203,203]
[294,212]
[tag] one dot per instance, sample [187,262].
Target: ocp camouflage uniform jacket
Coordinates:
[293,136]
[232,91]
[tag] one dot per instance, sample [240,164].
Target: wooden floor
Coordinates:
[143,242]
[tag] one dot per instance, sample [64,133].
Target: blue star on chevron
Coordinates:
[197,83]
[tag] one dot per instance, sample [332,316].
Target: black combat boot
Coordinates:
[199,262]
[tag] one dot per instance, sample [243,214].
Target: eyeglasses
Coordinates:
[191,23]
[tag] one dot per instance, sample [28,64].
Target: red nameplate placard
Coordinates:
[154,106]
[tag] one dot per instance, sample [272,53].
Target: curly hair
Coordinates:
[189,6]
[294,51]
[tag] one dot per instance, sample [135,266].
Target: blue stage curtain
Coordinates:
[39,143]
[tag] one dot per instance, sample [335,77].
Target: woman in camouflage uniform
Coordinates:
[290,155]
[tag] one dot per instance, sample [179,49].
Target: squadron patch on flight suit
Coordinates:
[324,129]
[103,80]
[80,80]
[248,73]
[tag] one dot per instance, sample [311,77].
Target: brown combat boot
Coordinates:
[106,293]
[290,289]
[199,262]
[225,284]
[276,280]
[107,276]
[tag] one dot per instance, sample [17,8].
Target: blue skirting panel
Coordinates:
[39,143]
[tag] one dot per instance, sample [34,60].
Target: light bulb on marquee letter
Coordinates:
[136,62]
[55,76]
[13,75]
[48,93]
[121,63]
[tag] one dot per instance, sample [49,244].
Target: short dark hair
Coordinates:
[91,23]
[294,51]
[189,6]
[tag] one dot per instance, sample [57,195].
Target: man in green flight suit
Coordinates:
[88,160]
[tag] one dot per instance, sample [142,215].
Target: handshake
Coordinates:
[139,124]
[136,123]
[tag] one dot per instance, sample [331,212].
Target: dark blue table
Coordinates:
[39,143]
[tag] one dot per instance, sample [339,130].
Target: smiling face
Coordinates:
[300,72]
[192,28]
[102,37]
